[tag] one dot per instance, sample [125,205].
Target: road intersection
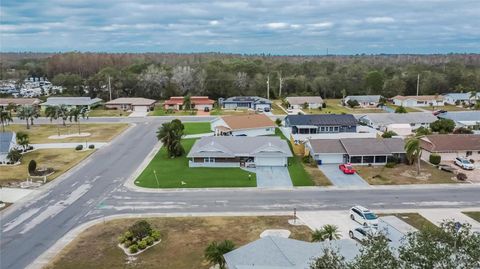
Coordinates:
[95,189]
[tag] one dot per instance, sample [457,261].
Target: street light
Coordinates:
[156,178]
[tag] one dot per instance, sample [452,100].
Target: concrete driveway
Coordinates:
[273,177]
[339,179]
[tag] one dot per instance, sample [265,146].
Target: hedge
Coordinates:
[435,159]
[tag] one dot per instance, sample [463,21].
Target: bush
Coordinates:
[390,165]
[133,248]
[127,243]
[30,147]
[393,159]
[128,235]
[156,235]
[140,229]
[443,126]
[79,147]
[434,159]
[121,239]
[461,176]
[32,167]
[149,240]
[142,244]
[91,146]
[278,122]
[400,109]
[324,105]
[389,134]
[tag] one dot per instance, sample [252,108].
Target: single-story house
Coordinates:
[8,141]
[4,102]
[467,119]
[278,252]
[355,150]
[239,151]
[381,121]
[245,102]
[132,104]
[401,129]
[321,123]
[420,100]
[298,102]
[364,100]
[197,102]
[450,146]
[72,102]
[243,125]
[459,98]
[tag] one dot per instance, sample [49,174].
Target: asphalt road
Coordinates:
[95,189]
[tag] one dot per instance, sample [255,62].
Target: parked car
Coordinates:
[289,110]
[363,216]
[347,168]
[439,112]
[359,233]
[206,109]
[464,163]
[267,109]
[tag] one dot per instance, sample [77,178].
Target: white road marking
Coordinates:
[20,219]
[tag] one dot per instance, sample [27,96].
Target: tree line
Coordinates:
[159,76]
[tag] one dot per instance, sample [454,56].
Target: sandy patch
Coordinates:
[69,136]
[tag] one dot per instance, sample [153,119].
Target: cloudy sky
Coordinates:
[262,26]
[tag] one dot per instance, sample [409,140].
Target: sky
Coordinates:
[278,27]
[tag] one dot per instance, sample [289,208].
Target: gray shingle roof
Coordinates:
[322,119]
[359,146]
[300,100]
[232,146]
[254,99]
[5,141]
[327,146]
[71,101]
[277,252]
[383,119]
[364,98]
[461,115]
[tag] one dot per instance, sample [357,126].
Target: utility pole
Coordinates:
[109,88]
[418,83]
[280,81]
[268,86]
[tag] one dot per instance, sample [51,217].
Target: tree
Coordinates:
[413,151]
[278,122]
[327,231]
[400,109]
[215,251]
[56,112]
[421,131]
[28,113]
[170,134]
[32,167]
[330,259]
[462,130]
[389,134]
[140,229]
[305,105]
[187,103]
[376,253]
[352,103]
[23,139]
[76,113]
[5,118]
[443,126]
[14,155]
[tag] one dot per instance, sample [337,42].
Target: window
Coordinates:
[209,160]
[335,129]
[368,159]
[322,129]
[469,153]
[380,159]
[330,129]
[356,159]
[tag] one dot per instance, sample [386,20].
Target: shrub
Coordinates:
[149,240]
[278,122]
[390,165]
[30,147]
[472,160]
[156,235]
[32,167]
[121,239]
[133,248]
[352,103]
[141,229]
[462,130]
[91,146]
[324,105]
[393,159]
[389,134]
[400,109]
[142,244]
[79,147]
[127,243]
[443,126]
[128,235]
[434,159]
[461,176]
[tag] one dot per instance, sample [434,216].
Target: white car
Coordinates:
[364,216]
[464,163]
[359,233]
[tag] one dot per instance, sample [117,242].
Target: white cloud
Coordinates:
[214,22]
[323,25]
[277,25]
[380,20]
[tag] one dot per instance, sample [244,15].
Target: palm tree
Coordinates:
[27,113]
[76,113]
[5,118]
[14,156]
[327,231]
[317,236]
[55,112]
[414,151]
[215,251]
[170,134]
[187,104]
[474,96]
[23,139]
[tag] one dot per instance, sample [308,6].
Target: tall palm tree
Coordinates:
[27,113]
[317,236]
[414,151]
[215,251]
[76,113]
[5,118]
[170,134]
[23,139]
[327,231]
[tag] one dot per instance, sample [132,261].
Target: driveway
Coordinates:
[273,177]
[138,114]
[339,179]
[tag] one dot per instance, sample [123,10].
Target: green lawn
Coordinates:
[414,219]
[473,215]
[171,173]
[409,109]
[103,112]
[159,111]
[196,127]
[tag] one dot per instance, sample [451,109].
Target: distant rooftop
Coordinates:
[384,119]
[461,115]
[136,101]
[254,99]
[300,100]
[322,119]
[365,98]
[71,101]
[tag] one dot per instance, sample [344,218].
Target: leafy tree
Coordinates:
[23,139]
[421,131]
[187,104]
[413,151]
[352,103]
[443,126]
[330,259]
[374,82]
[140,229]
[170,134]
[376,253]
[28,113]
[278,122]
[215,251]
[389,134]
[32,167]
[401,109]
[462,130]
[76,113]
[5,118]
[57,112]
[14,155]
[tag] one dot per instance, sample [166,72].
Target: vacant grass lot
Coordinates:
[222,112]
[60,160]
[102,112]
[160,111]
[409,109]
[334,107]
[182,246]
[473,215]
[100,132]
[404,174]
[414,219]
[196,127]
[172,172]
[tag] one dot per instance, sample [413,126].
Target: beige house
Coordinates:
[451,146]
[421,100]
[4,102]
[297,102]
[132,104]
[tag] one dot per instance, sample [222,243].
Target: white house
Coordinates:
[243,125]
[421,100]
[364,100]
[466,119]
[450,146]
[132,104]
[8,141]
[72,102]
[459,98]
[381,121]
[298,102]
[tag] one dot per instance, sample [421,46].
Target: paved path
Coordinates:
[273,177]
[339,179]
[437,216]
[67,145]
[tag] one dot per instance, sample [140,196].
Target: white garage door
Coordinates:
[264,161]
[329,158]
[141,108]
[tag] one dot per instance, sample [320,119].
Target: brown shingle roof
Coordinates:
[450,142]
[420,97]
[248,121]
[136,101]
[19,101]
[300,100]
[327,146]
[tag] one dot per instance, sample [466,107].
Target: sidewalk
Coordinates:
[67,145]
[437,216]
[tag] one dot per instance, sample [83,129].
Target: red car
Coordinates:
[347,168]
